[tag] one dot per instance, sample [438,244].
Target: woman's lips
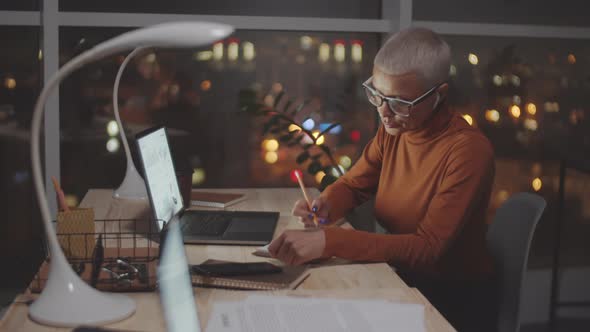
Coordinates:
[392,124]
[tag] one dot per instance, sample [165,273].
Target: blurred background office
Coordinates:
[520,72]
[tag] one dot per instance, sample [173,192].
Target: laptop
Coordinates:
[199,227]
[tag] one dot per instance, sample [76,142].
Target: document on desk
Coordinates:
[298,314]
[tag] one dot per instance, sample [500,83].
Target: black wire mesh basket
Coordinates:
[119,255]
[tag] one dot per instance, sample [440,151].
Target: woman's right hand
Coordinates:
[319,211]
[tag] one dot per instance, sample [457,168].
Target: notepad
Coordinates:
[215,199]
[283,313]
[289,278]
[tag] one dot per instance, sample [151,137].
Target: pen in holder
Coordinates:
[76,232]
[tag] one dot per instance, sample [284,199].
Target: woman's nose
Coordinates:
[384,110]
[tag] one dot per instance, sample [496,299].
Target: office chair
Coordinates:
[509,240]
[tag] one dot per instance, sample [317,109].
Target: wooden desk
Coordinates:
[335,278]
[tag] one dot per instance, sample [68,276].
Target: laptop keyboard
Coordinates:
[205,224]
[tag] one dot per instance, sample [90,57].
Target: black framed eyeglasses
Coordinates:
[398,106]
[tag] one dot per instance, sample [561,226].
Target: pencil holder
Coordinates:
[76,232]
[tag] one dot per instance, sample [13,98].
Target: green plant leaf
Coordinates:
[302,157]
[274,120]
[328,129]
[326,149]
[266,128]
[300,107]
[314,167]
[285,138]
[327,180]
[285,126]
[297,139]
[278,98]
[287,105]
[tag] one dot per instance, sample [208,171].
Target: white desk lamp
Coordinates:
[133,186]
[67,300]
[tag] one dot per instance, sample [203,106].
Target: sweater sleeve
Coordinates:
[467,180]
[359,184]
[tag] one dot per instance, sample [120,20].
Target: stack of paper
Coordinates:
[282,313]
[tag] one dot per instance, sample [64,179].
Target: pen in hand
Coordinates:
[307,200]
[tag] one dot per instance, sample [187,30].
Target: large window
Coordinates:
[196,93]
[529,96]
[520,73]
[20,225]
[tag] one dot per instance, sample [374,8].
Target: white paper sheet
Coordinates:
[262,251]
[273,313]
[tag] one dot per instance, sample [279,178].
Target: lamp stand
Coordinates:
[133,185]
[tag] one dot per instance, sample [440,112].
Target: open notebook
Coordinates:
[289,278]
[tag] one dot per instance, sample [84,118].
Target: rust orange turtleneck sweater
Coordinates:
[431,189]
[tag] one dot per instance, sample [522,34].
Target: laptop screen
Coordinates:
[160,176]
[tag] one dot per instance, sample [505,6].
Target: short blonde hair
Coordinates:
[416,50]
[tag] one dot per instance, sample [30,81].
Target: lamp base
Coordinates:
[133,186]
[67,301]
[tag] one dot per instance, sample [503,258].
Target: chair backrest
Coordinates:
[509,240]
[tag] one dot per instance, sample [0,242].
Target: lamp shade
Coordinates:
[66,300]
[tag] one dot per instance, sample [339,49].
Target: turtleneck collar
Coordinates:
[433,127]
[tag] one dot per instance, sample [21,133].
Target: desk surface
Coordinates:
[333,278]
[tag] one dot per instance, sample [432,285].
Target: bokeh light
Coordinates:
[537,184]
[206,85]
[515,111]
[531,108]
[113,145]
[198,176]
[497,79]
[218,51]
[248,51]
[468,118]
[319,140]
[10,83]
[112,128]
[531,124]
[324,53]
[305,42]
[355,135]
[473,59]
[308,124]
[319,176]
[271,157]
[270,144]
[345,161]
[492,115]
